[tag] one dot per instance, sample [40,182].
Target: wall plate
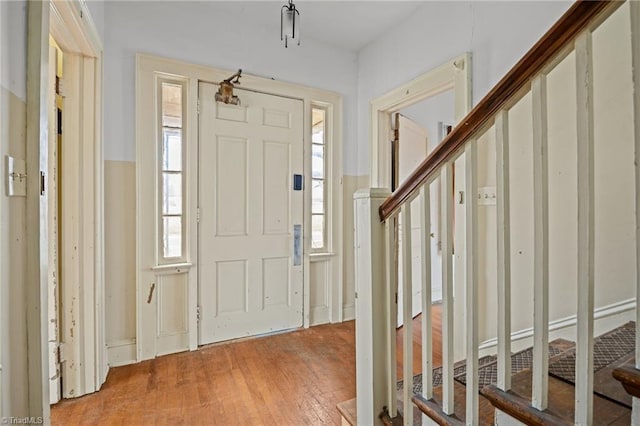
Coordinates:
[16,178]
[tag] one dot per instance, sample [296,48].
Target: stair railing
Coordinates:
[377,213]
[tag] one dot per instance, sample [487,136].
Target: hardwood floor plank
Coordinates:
[286,379]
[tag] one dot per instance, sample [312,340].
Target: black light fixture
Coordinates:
[289,24]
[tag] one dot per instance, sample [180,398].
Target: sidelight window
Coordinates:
[319,179]
[171,176]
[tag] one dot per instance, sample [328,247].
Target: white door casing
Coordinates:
[250,277]
[52,229]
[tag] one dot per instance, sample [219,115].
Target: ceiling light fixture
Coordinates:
[289,24]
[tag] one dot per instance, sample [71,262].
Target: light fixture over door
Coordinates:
[290,24]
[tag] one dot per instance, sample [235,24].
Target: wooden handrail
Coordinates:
[579,17]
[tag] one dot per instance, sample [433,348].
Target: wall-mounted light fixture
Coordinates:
[290,24]
[225,92]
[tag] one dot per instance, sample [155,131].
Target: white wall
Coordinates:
[202,33]
[496,33]
[96,8]
[13,344]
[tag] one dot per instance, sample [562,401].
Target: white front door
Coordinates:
[251,217]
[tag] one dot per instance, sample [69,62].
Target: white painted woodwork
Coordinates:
[391,290]
[412,149]
[412,146]
[459,241]
[540,369]
[81,275]
[81,210]
[635,58]
[454,74]
[446,179]
[249,280]
[425,248]
[504,250]
[52,229]
[372,327]
[71,199]
[407,329]
[586,230]
[149,68]
[319,299]
[472,282]
[37,381]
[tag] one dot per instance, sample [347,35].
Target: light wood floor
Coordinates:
[294,378]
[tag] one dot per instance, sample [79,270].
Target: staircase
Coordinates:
[560,137]
[612,405]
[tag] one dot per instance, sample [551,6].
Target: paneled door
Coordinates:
[251,215]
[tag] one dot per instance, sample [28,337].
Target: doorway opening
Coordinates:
[409,109]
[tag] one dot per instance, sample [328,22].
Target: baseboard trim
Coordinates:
[319,315]
[563,323]
[121,352]
[349,312]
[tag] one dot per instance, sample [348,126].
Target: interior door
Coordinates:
[251,216]
[410,150]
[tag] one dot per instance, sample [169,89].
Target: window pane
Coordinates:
[317,196]
[317,231]
[171,105]
[317,131]
[172,150]
[172,236]
[171,193]
[317,161]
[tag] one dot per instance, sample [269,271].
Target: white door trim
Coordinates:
[454,74]
[77,32]
[148,67]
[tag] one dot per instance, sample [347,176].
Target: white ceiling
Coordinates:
[349,25]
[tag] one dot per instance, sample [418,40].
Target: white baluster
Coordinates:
[541,245]
[471,282]
[446,179]
[391,231]
[425,235]
[407,327]
[504,250]
[635,70]
[586,228]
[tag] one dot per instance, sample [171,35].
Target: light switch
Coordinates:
[16,181]
[487,196]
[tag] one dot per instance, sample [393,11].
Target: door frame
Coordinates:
[148,68]
[74,30]
[455,75]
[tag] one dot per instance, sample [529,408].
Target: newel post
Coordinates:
[372,301]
